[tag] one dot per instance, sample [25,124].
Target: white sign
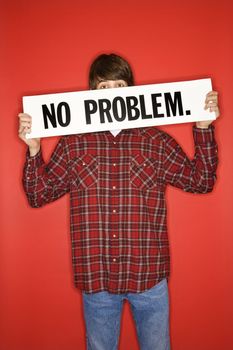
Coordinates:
[121,108]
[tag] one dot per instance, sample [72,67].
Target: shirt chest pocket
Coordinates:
[143,172]
[84,172]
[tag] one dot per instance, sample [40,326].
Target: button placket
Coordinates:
[114,202]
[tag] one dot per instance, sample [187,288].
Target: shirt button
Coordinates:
[114,164]
[114,236]
[114,142]
[28,177]
[113,187]
[114,211]
[114,259]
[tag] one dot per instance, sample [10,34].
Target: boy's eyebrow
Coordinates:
[105,80]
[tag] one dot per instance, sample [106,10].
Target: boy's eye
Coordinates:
[107,85]
[122,84]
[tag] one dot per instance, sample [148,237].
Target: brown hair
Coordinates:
[110,67]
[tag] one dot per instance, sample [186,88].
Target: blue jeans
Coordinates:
[102,313]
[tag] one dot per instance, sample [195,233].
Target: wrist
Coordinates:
[33,151]
[201,125]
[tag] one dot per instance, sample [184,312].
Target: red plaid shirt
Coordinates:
[117,200]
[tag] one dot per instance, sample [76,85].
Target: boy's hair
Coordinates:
[110,67]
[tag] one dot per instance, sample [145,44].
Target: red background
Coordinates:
[47,46]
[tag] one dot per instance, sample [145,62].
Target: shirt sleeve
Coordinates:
[197,175]
[44,183]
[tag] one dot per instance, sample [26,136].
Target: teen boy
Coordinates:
[117,185]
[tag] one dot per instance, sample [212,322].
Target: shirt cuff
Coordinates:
[34,161]
[203,136]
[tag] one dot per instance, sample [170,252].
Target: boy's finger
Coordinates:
[25,117]
[24,130]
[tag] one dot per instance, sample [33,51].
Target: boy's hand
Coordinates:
[25,122]
[211,102]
